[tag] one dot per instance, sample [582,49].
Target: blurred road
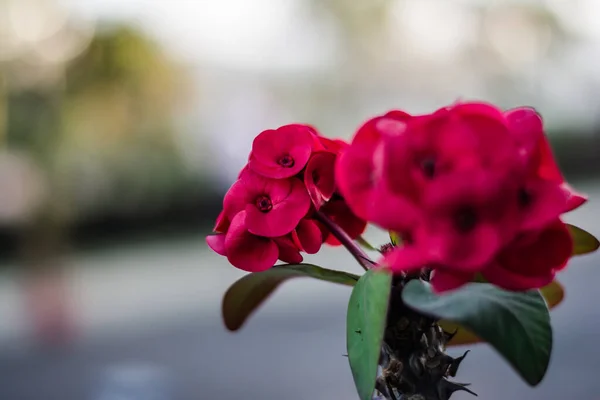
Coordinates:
[150,314]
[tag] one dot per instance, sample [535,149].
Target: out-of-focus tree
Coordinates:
[91,130]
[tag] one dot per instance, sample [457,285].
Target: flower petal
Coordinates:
[270,146]
[319,177]
[356,176]
[247,251]
[464,252]
[222,223]
[342,215]
[406,258]
[288,251]
[574,198]
[548,202]
[307,236]
[444,280]
[285,214]
[217,244]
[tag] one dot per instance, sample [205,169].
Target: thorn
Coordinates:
[358,331]
[344,355]
[453,368]
[447,388]
[449,336]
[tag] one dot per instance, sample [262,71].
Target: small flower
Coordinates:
[532,260]
[319,177]
[467,218]
[283,152]
[274,207]
[359,168]
[527,126]
[245,250]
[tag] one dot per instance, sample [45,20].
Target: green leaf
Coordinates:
[395,238]
[553,294]
[248,293]
[365,326]
[516,324]
[366,245]
[584,242]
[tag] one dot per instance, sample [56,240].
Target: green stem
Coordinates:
[354,249]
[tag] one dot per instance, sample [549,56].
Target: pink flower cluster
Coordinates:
[268,213]
[470,190]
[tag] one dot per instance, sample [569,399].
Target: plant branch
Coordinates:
[354,249]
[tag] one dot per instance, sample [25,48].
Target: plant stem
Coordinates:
[354,249]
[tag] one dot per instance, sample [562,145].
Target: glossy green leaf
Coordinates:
[584,242]
[553,295]
[365,326]
[248,293]
[516,324]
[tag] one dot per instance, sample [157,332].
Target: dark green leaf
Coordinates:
[248,293]
[553,295]
[365,325]
[516,324]
[584,242]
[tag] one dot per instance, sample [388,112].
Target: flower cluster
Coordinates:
[269,212]
[469,189]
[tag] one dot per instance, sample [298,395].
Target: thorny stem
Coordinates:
[354,249]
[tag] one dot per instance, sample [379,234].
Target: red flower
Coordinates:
[527,127]
[243,249]
[283,152]
[319,177]
[273,207]
[529,262]
[467,218]
[339,212]
[532,260]
[359,171]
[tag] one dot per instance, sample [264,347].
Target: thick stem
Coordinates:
[354,249]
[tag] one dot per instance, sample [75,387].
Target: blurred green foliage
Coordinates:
[104,132]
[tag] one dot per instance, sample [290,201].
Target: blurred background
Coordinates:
[123,122]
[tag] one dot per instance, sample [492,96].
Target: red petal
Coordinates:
[527,128]
[356,177]
[247,251]
[407,258]
[574,199]
[342,215]
[319,177]
[288,251]
[271,145]
[464,252]
[308,236]
[548,168]
[222,223]
[506,279]
[549,201]
[217,244]
[285,214]
[444,280]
